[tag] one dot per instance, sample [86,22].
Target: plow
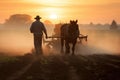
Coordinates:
[54,42]
[81,37]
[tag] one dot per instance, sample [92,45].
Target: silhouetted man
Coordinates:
[37,28]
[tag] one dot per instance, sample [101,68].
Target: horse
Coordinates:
[69,34]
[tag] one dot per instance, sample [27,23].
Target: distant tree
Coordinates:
[91,23]
[47,22]
[113,25]
[18,20]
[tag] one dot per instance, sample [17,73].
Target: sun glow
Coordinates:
[46,1]
[53,16]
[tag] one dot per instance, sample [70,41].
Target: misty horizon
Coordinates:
[48,21]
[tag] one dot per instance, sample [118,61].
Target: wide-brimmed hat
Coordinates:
[37,17]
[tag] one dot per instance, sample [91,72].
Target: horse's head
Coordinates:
[72,22]
[73,27]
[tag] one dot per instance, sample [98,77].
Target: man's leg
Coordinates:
[40,45]
[37,43]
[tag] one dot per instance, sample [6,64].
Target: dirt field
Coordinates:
[59,67]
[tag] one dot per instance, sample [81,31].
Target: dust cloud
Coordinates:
[17,41]
[20,41]
[100,42]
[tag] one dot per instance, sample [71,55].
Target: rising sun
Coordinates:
[53,16]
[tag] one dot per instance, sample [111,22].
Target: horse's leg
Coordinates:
[67,51]
[73,48]
[62,44]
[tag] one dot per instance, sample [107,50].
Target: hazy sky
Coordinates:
[97,11]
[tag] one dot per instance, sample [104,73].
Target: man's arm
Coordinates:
[44,30]
[31,28]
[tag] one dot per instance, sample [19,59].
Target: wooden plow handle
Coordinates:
[80,37]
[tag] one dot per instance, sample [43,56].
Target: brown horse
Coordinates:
[69,34]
